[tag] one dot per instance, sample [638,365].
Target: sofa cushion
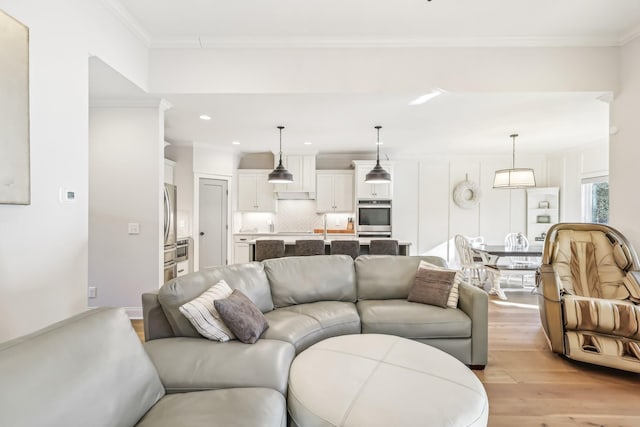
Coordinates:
[432,286]
[88,370]
[230,407]
[245,320]
[454,293]
[191,364]
[250,278]
[300,280]
[412,320]
[388,277]
[202,313]
[305,324]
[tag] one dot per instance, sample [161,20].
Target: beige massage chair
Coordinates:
[589,291]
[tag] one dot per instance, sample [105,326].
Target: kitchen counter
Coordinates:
[289,245]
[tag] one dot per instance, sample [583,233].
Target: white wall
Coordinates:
[438,219]
[625,149]
[126,169]
[567,169]
[382,69]
[43,250]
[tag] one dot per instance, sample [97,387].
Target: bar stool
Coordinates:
[309,247]
[383,247]
[345,247]
[266,249]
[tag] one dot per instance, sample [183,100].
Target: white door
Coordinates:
[343,192]
[213,222]
[324,193]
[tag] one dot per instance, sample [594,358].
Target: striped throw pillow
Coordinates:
[202,313]
[452,302]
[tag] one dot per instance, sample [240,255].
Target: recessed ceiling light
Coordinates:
[235,142]
[307,143]
[427,97]
[205,117]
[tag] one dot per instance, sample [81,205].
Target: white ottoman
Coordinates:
[382,380]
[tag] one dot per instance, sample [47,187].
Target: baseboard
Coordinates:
[134,312]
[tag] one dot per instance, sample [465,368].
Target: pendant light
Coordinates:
[514,177]
[378,175]
[280,174]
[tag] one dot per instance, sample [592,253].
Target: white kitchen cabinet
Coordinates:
[255,193]
[334,191]
[183,268]
[365,190]
[241,252]
[303,169]
[543,211]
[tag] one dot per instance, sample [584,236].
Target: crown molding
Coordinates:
[630,35]
[129,102]
[293,43]
[123,14]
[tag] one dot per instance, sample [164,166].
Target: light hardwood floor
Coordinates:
[529,386]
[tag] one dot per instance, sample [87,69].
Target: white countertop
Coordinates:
[362,241]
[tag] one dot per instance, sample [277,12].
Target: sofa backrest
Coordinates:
[388,276]
[300,280]
[88,370]
[249,278]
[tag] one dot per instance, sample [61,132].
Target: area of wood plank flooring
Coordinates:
[529,386]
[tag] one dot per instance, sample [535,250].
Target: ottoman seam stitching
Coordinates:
[380,361]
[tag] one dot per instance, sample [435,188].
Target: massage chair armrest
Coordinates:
[550,306]
[632,282]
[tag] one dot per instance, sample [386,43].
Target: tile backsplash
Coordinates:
[292,215]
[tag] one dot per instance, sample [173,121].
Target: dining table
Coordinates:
[524,259]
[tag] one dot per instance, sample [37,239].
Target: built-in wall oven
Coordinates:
[374,218]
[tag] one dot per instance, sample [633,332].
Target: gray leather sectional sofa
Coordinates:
[91,369]
[305,299]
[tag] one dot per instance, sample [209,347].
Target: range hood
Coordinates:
[295,195]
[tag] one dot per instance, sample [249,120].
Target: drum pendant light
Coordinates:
[280,174]
[378,175]
[514,177]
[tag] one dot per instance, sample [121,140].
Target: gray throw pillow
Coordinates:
[242,317]
[432,287]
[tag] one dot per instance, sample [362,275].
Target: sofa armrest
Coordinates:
[192,364]
[475,303]
[155,322]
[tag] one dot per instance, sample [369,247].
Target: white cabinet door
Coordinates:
[325,201]
[303,169]
[365,190]
[343,192]
[255,193]
[334,191]
[183,268]
[241,253]
[265,198]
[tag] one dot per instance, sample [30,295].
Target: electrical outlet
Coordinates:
[93,292]
[133,228]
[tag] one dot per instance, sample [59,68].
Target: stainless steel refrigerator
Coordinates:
[170,267]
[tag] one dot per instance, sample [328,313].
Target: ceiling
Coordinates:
[449,123]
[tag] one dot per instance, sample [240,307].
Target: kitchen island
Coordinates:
[289,245]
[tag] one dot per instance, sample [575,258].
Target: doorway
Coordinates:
[212,220]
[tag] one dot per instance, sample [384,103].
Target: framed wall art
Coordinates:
[15,175]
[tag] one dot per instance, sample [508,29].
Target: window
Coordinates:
[595,200]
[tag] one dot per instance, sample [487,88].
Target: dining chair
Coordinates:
[309,247]
[345,247]
[474,271]
[383,247]
[267,248]
[516,241]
